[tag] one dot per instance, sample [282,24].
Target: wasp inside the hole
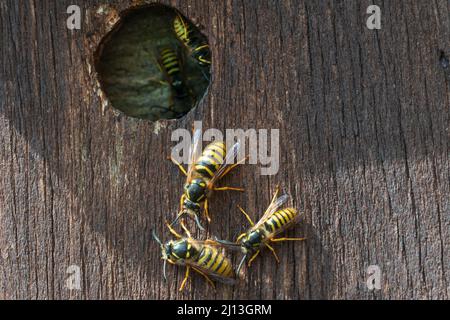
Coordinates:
[155,64]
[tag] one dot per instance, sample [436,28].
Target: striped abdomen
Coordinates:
[169,60]
[198,48]
[213,261]
[280,219]
[181,29]
[172,68]
[210,160]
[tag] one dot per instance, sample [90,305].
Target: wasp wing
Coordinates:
[273,207]
[224,244]
[194,153]
[229,160]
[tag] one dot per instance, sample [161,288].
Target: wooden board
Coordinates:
[364,127]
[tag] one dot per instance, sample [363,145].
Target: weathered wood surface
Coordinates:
[364,120]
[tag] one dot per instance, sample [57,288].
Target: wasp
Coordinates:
[273,222]
[170,64]
[205,169]
[203,257]
[194,43]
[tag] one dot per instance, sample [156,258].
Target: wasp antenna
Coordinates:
[197,221]
[156,237]
[180,214]
[164,270]
[241,264]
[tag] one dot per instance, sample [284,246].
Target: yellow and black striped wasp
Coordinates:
[194,43]
[171,65]
[203,257]
[205,169]
[273,222]
[170,62]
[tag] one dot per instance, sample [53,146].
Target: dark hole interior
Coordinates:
[154,64]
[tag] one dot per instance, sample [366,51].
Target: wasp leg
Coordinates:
[185,229]
[178,165]
[273,251]
[228,188]
[185,278]
[287,239]
[252,258]
[240,237]
[206,277]
[247,216]
[197,221]
[241,264]
[207,211]
[182,201]
[172,231]
[177,218]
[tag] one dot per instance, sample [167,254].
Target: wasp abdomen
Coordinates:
[170,61]
[171,64]
[198,48]
[280,219]
[212,260]
[211,159]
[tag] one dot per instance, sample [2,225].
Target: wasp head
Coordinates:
[251,241]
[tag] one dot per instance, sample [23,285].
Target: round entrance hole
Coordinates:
[154,64]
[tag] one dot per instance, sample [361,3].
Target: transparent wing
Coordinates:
[223,244]
[273,207]
[229,160]
[194,153]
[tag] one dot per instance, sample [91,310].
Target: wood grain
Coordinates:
[364,126]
